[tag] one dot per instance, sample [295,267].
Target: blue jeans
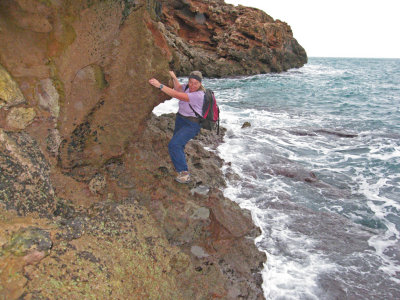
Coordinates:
[184,131]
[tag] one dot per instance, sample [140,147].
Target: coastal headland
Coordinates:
[88,203]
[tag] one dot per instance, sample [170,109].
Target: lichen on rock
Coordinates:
[10,93]
[20,117]
[27,240]
[25,183]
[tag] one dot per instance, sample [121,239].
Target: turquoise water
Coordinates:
[320,169]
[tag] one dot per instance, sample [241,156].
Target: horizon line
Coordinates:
[365,57]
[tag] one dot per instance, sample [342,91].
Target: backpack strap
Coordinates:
[218,121]
[196,113]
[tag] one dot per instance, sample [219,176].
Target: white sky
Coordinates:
[340,28]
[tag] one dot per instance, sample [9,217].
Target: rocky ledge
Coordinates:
[152,236]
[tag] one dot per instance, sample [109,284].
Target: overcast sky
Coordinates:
[340,28]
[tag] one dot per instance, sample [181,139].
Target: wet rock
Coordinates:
[300,132]
[336,133]
[246,125]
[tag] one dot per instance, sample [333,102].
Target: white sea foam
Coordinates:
[317,70]
[386,153]
[293,266]
[293,273]
[169,106]
[382,207]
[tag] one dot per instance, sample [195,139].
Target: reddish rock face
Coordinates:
[84,67]
[222,40]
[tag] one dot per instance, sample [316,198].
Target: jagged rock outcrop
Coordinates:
[223,40]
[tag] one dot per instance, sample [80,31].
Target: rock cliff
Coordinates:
[223,40]
[88,204]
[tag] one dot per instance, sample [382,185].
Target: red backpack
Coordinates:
[210,112]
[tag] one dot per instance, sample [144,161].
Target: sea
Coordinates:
[319,167]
